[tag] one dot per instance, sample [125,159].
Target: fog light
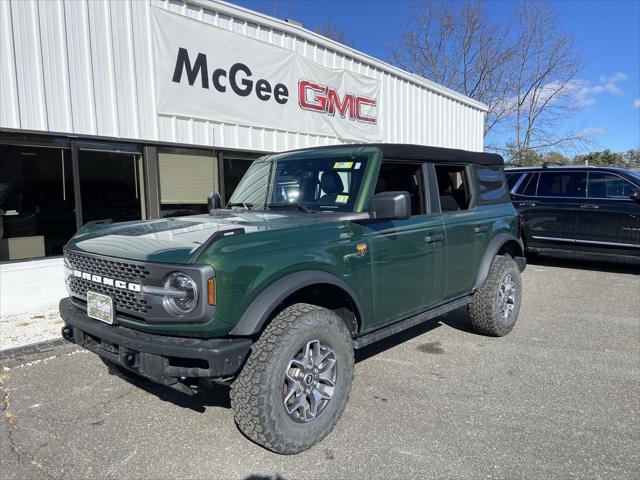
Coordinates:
[67,333]
[130,359]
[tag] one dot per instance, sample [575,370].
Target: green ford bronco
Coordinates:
[318,252]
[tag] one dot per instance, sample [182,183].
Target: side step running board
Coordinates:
[409,322]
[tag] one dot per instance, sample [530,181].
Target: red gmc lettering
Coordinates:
[318,101]
[318,98]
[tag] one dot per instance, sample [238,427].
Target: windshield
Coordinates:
[323,180]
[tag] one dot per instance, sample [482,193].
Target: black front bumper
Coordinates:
[160,358]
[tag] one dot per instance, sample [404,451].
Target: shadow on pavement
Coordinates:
[209,394]
[583,264]
[458,319]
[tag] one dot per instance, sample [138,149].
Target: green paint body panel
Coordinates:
[398,276]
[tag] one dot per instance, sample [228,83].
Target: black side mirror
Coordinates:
[635,195]
[214,201]
[391,205]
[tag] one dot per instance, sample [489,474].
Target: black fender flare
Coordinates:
[492,250]
[257,313]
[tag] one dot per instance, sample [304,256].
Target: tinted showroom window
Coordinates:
[37,214]
[607,185]
[491,181]
[562,184]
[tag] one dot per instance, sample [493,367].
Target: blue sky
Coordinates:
[608,32]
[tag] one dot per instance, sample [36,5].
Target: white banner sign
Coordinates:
[203,71]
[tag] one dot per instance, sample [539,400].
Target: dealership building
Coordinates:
[139,109]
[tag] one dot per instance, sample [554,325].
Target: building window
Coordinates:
[111,186]
[186,180]
[36,201]
[234,169]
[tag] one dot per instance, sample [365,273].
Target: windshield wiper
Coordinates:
[246,206]
[289,205]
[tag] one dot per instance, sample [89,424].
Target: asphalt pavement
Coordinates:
[557,398]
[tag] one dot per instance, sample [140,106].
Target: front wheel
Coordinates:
[495,306]
[296,382]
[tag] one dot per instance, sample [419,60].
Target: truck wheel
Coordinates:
[495,306]
[296,382]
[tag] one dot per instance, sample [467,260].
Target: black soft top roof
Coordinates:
[402,151]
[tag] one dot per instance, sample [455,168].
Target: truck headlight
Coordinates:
[184,296]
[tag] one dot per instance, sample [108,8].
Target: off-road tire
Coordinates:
[257,393]
[484,310]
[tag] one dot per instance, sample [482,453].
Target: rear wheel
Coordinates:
[296,382]
[495,307]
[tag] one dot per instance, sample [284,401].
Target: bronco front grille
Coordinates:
[121,270]
[124,300]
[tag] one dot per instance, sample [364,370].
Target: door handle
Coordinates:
[481,229]
[434,238]
[589,206]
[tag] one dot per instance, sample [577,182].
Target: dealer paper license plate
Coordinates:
[100,307]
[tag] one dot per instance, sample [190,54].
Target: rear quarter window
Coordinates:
[492,185]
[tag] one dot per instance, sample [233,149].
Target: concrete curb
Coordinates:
[26,353]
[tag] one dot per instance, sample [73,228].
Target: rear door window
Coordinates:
[562,184]
[607,185]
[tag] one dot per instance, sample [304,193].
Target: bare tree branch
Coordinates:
[524,70]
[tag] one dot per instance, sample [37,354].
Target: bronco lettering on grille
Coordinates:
[133,287]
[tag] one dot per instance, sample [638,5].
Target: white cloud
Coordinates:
[593,131]
[584,92]
[636,103]
[618,77]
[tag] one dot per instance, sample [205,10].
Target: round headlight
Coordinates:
[184,303]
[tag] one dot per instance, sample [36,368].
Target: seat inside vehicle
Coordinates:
[451,188]
[399,177]
[332,186]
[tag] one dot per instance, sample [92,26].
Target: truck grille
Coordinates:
[121,270]
[123,300]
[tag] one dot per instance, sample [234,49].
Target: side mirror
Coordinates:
[391,205]
[635,195]
[214,201]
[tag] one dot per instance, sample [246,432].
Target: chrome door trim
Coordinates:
[573,240]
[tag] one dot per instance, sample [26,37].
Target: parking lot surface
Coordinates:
[557,398]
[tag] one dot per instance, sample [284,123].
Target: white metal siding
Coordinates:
[86,67]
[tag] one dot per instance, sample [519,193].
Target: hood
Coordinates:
[174,240]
